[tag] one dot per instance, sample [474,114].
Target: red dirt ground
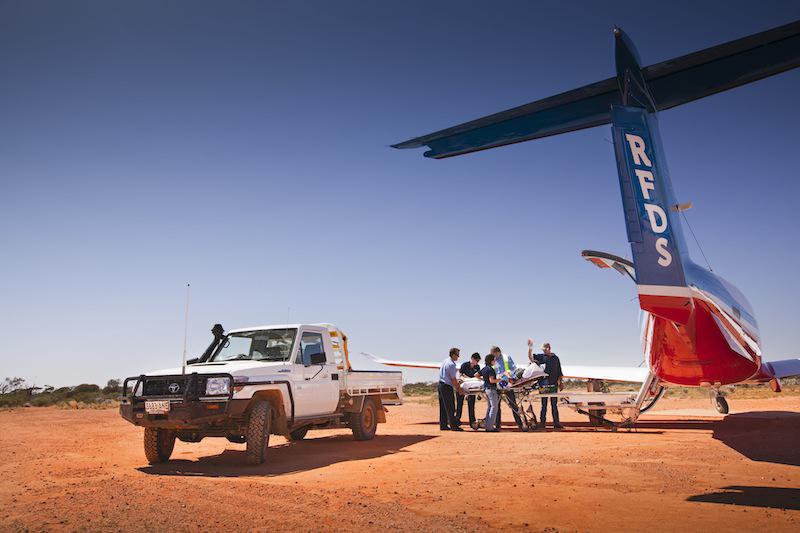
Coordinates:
[84,470]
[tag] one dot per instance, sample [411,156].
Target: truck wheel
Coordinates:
[258,428]
[158,444]
[298,434]
[365,423]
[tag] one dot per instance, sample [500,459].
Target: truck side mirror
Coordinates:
[318,358]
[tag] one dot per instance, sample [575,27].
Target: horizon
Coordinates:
[246,153]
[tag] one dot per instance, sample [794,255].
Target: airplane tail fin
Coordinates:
[659,250]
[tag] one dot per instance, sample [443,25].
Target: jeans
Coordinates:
[470,407]
[553,408]
[447,407]
[493,401]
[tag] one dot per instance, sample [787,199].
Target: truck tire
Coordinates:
[365,423]
[258,429]
[158,444]
[298,434]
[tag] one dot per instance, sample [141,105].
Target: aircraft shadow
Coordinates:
[288,458]
[771,497]
[768,436]
[570,427]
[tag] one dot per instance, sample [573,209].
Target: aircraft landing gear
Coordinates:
[720,403]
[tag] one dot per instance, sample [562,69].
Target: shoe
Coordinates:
[444,429]
[558,426]
[457,428]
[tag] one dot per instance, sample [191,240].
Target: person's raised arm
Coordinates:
[530,351]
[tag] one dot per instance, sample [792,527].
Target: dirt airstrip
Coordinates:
[65,470]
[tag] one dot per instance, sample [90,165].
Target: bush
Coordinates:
[113,386]
[85,387]
[419,389]
[81,396]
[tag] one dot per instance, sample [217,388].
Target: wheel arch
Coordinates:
[280,419]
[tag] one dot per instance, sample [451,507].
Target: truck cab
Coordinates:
[253,382]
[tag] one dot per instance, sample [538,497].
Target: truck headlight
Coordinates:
[217,386]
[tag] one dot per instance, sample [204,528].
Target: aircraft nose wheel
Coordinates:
[721,404]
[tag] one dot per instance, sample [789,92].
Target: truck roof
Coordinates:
[282,326]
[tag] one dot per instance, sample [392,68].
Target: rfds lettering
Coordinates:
[655,213]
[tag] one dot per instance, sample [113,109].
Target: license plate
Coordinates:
[156,407]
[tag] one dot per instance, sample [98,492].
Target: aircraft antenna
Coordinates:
[683,213]
[185,328]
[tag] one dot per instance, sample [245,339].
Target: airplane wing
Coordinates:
[786,368]
[606,373]
[408,364]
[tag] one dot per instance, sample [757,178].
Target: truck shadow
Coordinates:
[771,497]
[289,458]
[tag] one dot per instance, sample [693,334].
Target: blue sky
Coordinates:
[244,147]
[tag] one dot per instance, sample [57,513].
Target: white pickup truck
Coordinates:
[253,382]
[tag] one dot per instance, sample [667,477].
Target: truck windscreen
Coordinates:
[262,345]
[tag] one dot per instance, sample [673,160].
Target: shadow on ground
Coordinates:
[288,458]
[769,436]
[771,497]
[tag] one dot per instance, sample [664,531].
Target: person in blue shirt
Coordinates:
[505,368]
[552,366]
[448,386]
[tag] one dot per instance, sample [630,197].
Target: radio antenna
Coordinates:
[185,328]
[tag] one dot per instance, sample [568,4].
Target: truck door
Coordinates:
[318,388]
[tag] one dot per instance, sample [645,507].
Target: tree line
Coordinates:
[16,392]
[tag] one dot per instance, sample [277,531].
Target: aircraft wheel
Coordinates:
[721,404]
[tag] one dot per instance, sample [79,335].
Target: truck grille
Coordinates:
[171,386]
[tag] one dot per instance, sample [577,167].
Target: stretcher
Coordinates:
[523,393]
[528,390]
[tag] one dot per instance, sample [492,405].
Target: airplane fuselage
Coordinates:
[701,334]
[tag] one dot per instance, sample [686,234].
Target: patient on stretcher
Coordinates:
[522,376]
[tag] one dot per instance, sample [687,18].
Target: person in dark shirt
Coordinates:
[552,366]
[492,396]
[468,369]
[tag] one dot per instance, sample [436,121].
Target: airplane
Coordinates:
[699,330]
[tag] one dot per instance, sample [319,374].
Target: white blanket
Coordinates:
[472,385]
[533,371]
